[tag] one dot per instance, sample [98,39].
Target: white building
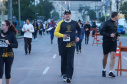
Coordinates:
[61,6]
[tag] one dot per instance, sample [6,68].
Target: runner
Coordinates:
[35,30]
[28,29]
[110,37]
[66,31]
[40,27]
[79,44]
[87,32]
[8,41]
[52,24]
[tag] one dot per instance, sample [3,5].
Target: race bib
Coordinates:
[68,38]
[3,43]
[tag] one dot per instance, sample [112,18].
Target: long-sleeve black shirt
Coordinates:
[8,51]
[108,28]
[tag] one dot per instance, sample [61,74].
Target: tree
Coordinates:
[47,8]
[123,9]
[55,15]
[27,9]
[92,14]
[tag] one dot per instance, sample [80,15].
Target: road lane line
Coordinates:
[125,58]
[46,70]
[54,56]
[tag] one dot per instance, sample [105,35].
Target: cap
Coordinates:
[67,11]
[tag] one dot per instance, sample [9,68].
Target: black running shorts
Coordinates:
[109,46]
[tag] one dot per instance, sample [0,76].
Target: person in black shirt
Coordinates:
[87,32]
[110,37]
[94,26]
[14,23]
[7,42]
[66,31]
[35,30]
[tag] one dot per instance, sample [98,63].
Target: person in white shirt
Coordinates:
[28,29]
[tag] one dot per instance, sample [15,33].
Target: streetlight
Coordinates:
[19,18]
[10,10]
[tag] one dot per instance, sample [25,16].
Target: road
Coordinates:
[42,66]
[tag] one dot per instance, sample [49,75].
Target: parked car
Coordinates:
[121,29]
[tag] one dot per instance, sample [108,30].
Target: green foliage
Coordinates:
[123,9]
[92,14]
[55,15]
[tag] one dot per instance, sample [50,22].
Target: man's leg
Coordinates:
[105,61]
[63,61]
[112,60]
[77,47]
[26,44]
[80,41]
[70,62]
[29,43]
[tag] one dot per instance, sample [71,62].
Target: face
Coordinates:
[27,21]
[67,16]
[4,26]
[116,17]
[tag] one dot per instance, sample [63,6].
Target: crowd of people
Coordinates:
[70,34]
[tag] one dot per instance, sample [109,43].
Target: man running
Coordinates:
[28,29]
[66,31]
[110,37]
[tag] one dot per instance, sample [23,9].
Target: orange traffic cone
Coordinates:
[117,51]
[90,33]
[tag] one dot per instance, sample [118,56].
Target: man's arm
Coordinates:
[57,30]
[103,30]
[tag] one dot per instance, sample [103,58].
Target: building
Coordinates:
[61,6]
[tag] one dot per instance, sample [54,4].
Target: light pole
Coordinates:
[19,19]
[10,10]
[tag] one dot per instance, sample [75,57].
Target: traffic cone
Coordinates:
[117,51]
[98,38]
[90,33]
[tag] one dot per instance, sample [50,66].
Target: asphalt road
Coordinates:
[42,66]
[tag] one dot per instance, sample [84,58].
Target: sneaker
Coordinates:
[80,51]
[29,52]
[77,52]
[111,74]
[64,78]
[103,73]
[68,80]
[25,53]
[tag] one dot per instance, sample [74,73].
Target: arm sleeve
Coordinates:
[57,30]
[103,30]
[31,29]
[14,43]
[78,29]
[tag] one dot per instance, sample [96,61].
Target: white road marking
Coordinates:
[46,70]
[54,56]
[125,58]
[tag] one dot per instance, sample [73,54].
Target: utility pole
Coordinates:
[10,10]
[19,25]
[117,5]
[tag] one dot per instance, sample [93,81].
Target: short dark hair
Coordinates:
[114,14]
[28,19]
